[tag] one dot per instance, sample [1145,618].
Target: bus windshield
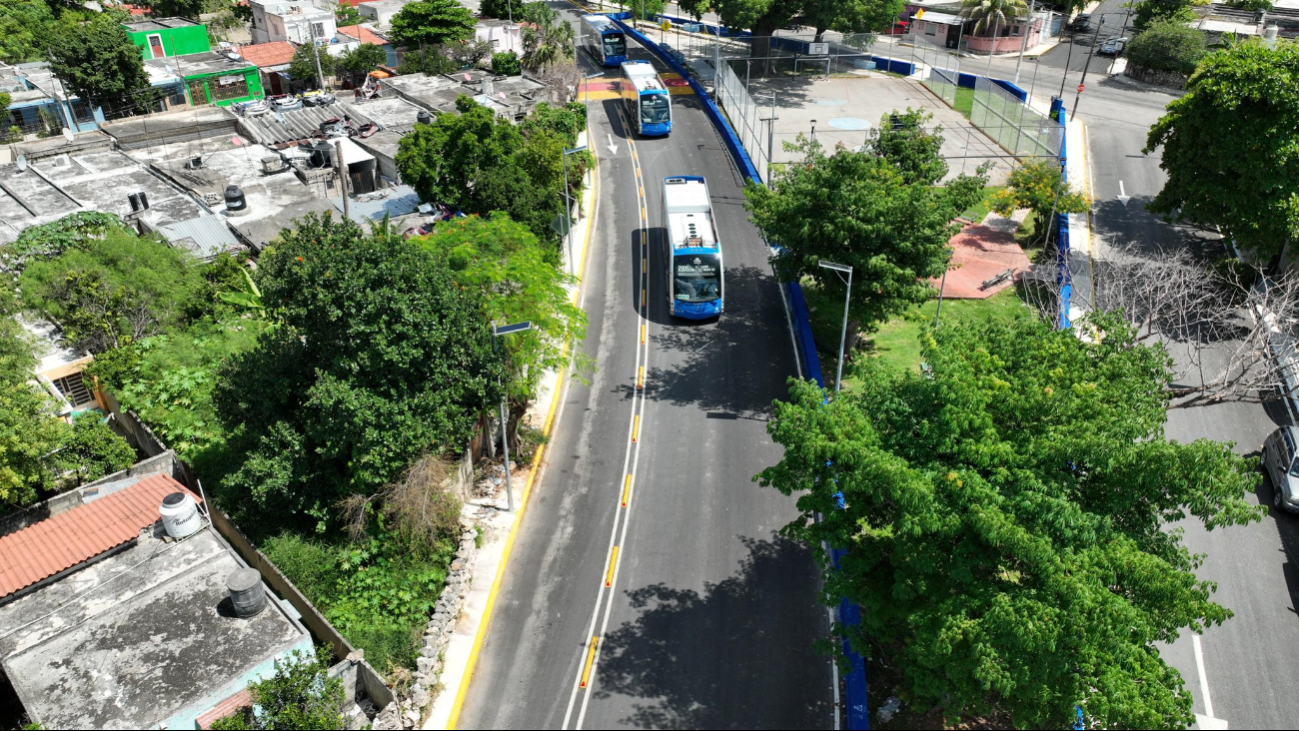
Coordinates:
[698,278]
[614,44]
[654,109]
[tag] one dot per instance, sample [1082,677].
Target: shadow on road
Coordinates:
[1134,225]
[1287,528]
[737,655]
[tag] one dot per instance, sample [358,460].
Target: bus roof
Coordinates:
[601,23]
[689,213]
[643,76]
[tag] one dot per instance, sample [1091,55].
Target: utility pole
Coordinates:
[315,55]
[1023,45]
[1086,66]
[771,138]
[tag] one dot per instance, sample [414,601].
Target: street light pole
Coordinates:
[568,208]
[497,332]
[1023,44]
[1086,66]
[843,335]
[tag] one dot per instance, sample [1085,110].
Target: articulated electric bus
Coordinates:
[604,39]
[645,98]
[695,281]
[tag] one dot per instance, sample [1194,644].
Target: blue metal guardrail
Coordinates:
[855,689]
[893,65]
[1063,277]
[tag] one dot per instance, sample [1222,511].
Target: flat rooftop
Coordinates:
[138,637]
[101,180]
[195,64]
[157,24]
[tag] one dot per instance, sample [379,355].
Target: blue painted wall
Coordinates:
[187,718]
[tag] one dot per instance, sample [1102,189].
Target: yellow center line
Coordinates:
[613,561]
[590,656]
[642,339]
[635,427]
[640,377]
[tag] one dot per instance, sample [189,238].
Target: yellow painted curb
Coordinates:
[454,717]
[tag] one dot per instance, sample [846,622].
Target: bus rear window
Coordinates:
[614,44]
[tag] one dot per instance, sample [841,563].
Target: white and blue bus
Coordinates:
[695,281]
[645,98]
[604,40]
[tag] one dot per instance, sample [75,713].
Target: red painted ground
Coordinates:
[981,253]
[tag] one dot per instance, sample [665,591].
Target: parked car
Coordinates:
[1081,22]
[253,108]
[317,99]
[1282,468]
[1113,46]
[285,102]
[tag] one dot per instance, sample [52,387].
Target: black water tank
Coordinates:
[144,201]
[246,594]
[134,199]
[235,200]
[423,117]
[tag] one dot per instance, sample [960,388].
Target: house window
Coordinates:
[155,46]
[318,31]
[930,29]
[197,92]
[226,88]
[74,390]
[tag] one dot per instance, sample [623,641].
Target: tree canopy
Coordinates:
[377,356]
[764,17]
[98,63]
[302,67]
[361,60]
[1146,12]
[1038,186]
[299,695]
[1169,45]
[1003,520]
[989,15]
[1247,185]
[881,215]
[504,261]
[432,22]
[24,30]
[479,162]
[547,41]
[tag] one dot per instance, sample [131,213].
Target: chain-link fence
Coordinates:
[1016,126]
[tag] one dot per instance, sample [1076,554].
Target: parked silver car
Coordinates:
[1282,468]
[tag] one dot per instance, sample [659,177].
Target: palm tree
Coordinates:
[546,43]
[994,13]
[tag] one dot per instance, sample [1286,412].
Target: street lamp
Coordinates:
[568,207]
[814,130]
[497,332]
[843,335]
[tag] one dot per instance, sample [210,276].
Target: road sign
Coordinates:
[560,225]
[1080,88]
[666,25]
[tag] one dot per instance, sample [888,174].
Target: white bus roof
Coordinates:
[642,76]
[689,214]
[601,22]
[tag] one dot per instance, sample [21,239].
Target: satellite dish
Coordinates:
[67,134]
[467,78]
[22,163]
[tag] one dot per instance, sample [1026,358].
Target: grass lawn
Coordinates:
[964,101]
[977,212]
[897,342]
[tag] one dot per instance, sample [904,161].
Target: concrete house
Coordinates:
[166,37]
[298,21]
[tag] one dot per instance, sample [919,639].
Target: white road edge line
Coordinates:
[1204,678]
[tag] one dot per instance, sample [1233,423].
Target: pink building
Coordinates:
[952,31]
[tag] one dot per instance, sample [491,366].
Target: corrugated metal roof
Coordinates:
[204,237]
[40,551]
[297,124]
[399,200]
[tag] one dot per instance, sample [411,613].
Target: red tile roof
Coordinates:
[227,707]
[363,34]
[263,55]
[40,551]
[353,3]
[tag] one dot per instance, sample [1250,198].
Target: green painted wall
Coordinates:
[175,41]
[251,77]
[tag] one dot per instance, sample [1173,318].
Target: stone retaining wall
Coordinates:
[409,709]
[1155,77]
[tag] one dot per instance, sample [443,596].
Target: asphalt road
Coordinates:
[711,618]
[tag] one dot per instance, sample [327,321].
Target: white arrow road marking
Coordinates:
[613,148]
[1207,721]
[1123,195]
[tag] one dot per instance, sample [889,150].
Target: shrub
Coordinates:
[506,63]
[299,695]
[1167,45]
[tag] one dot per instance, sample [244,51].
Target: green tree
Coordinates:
[765,17]
[25,28]
[432,61]
[300,695]
[91,450]
[506,63]
[361,60]
[499,9]
[859,210]
[51,239]
[467,54]
[98,63]
[1003,517]
[1038,186]
[29,432]
[377,356]
[538,13]
[503,260]
[1244,184]
[177,8]
[990,15]
[346,15]
[432,22]
[1168,45]
[302,67]
[1149,11]
[111,291]
[546,43]
[902,140]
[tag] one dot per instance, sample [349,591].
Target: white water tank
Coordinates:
[180,515]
